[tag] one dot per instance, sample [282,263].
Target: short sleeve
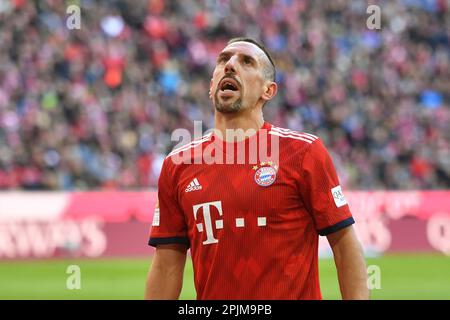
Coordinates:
[321,193]
[169,225]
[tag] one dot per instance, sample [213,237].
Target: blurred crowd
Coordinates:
[94,108]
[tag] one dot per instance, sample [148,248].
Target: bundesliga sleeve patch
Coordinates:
[338,196]
[156,217]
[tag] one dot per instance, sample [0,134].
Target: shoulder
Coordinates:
[185,152]
[296,145]
[296,138]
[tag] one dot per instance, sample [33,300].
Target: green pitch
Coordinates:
[416,276]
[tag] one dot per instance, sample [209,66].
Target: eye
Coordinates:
[247,60]
[222,59]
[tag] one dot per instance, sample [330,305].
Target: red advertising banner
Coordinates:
[101,224]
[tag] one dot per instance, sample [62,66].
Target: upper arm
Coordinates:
[169,222]
[170,257]
[350,264]
[321,192]
[344,239]
[165,278]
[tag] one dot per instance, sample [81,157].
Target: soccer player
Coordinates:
[252,226]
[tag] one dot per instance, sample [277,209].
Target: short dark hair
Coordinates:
[269,71]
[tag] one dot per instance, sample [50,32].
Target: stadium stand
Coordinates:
[95,108]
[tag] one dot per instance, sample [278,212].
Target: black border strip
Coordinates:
[336,227]
[156,241]
[221,309]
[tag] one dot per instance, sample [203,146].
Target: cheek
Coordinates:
[215,80]
[255,85]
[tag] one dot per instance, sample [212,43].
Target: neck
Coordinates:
[247,120]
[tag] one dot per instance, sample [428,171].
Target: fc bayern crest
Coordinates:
[265,176]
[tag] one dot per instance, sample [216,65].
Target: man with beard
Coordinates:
[252,226]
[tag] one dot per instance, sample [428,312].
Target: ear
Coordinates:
[270,90]
[210,89]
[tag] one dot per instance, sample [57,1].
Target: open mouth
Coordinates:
[228,84]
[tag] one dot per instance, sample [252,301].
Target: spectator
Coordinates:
[94,108]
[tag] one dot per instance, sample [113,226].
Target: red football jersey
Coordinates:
[252,222]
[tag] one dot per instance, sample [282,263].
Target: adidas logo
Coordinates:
[193,186]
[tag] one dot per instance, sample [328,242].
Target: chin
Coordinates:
[228,107]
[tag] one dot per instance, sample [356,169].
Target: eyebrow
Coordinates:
[224,54]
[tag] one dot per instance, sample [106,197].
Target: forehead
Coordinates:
[243,47]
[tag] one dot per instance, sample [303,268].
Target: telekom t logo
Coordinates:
[207,220]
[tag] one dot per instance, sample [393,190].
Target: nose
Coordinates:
[230,65]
